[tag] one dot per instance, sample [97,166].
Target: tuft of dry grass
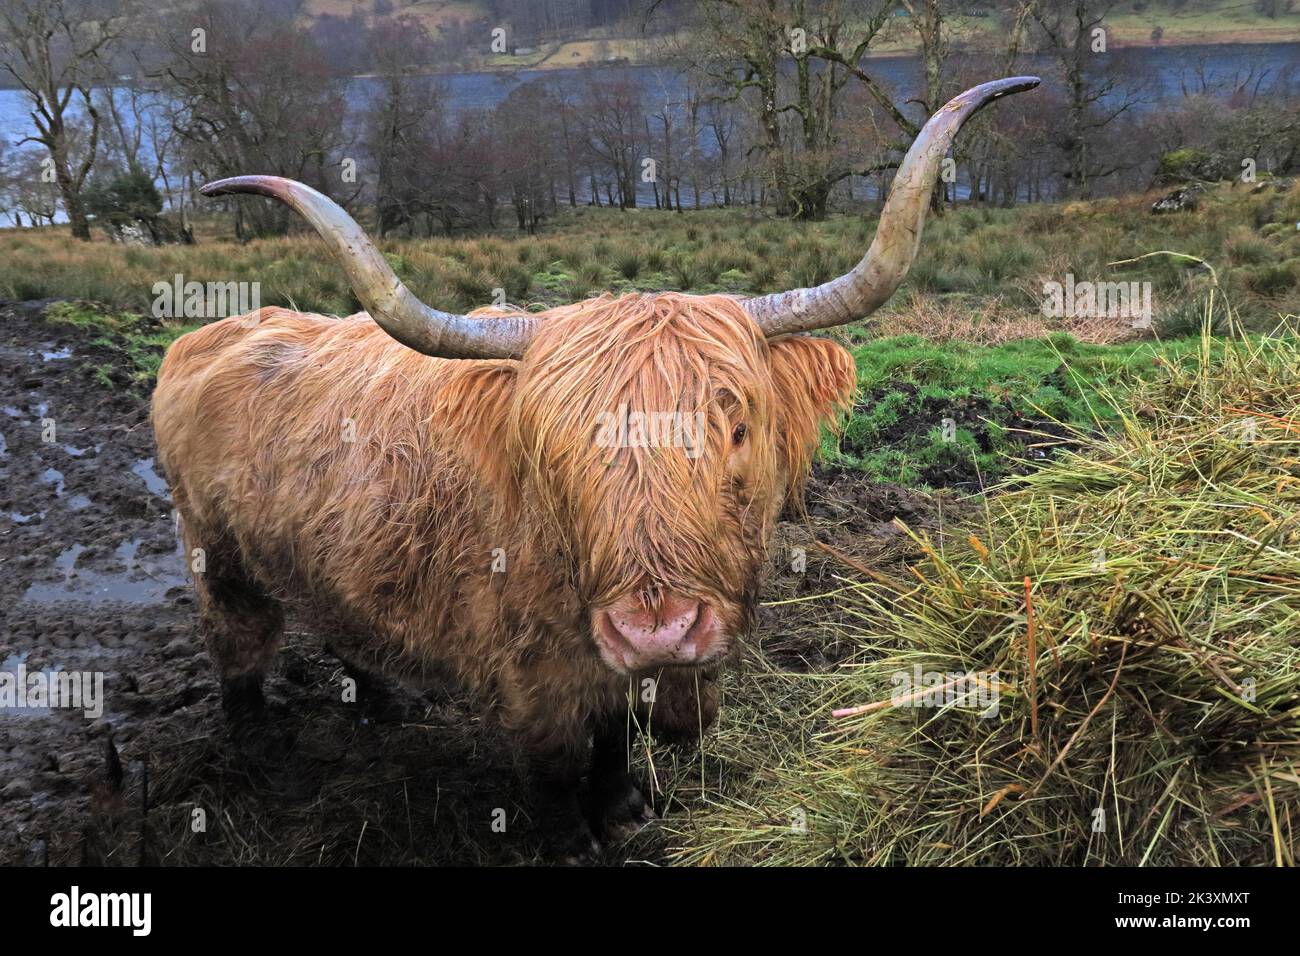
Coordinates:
[991,320]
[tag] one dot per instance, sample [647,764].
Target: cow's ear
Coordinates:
[814,380]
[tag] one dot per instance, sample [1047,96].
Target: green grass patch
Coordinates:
[960,414]
[139,341]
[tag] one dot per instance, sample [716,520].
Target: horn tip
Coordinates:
[1017,84]
[979,96]
[262,185]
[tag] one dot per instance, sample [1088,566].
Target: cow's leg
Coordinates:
[556,775]
[551,734]
[240,624]
[617,807]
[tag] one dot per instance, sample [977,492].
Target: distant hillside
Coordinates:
[433,13]
[568,33]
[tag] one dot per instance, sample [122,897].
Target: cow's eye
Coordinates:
[738,435]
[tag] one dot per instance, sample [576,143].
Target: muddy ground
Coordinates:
[1025,440]
[91,579]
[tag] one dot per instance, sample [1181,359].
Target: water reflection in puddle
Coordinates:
[138,584]
[52,476]
[143,469]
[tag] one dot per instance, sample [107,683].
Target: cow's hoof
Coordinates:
[619,812]
[242,699]
[576,846]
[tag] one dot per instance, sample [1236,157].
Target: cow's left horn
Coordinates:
[860,292]
[390,303]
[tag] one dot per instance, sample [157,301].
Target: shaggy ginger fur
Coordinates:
[318,461]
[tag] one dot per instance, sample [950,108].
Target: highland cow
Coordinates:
[439,485]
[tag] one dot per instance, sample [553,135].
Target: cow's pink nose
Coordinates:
[632,637]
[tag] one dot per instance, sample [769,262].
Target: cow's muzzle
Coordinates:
[679,630]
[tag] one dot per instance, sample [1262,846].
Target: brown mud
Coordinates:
[91,579]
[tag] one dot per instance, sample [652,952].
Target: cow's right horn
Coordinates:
[870,283]
[390,303]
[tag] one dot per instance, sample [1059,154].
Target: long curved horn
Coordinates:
[873,280]
[390,303]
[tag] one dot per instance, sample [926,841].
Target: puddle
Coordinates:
[137,585]
[67,560]
[4,447]
[74,451]
[143,469]
[19,518]
[52,476]
[39,412]
[55,355]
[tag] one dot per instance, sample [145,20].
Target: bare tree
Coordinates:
[723,128]
[931,21]
[663,141]
[528,133]
[1098,90]
[123,136]
[615,116]
[927,18]
[8,203]
[138,136]
[57,51]
[251,93]
[30,192]
[571,145]
[407,103]
[793,63]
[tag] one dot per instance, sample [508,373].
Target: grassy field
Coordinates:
[979,276]
[1223,21]
[964,340]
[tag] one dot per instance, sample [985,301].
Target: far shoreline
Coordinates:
[552,63]
[553,60]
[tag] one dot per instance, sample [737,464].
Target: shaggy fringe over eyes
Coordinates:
[624,516]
